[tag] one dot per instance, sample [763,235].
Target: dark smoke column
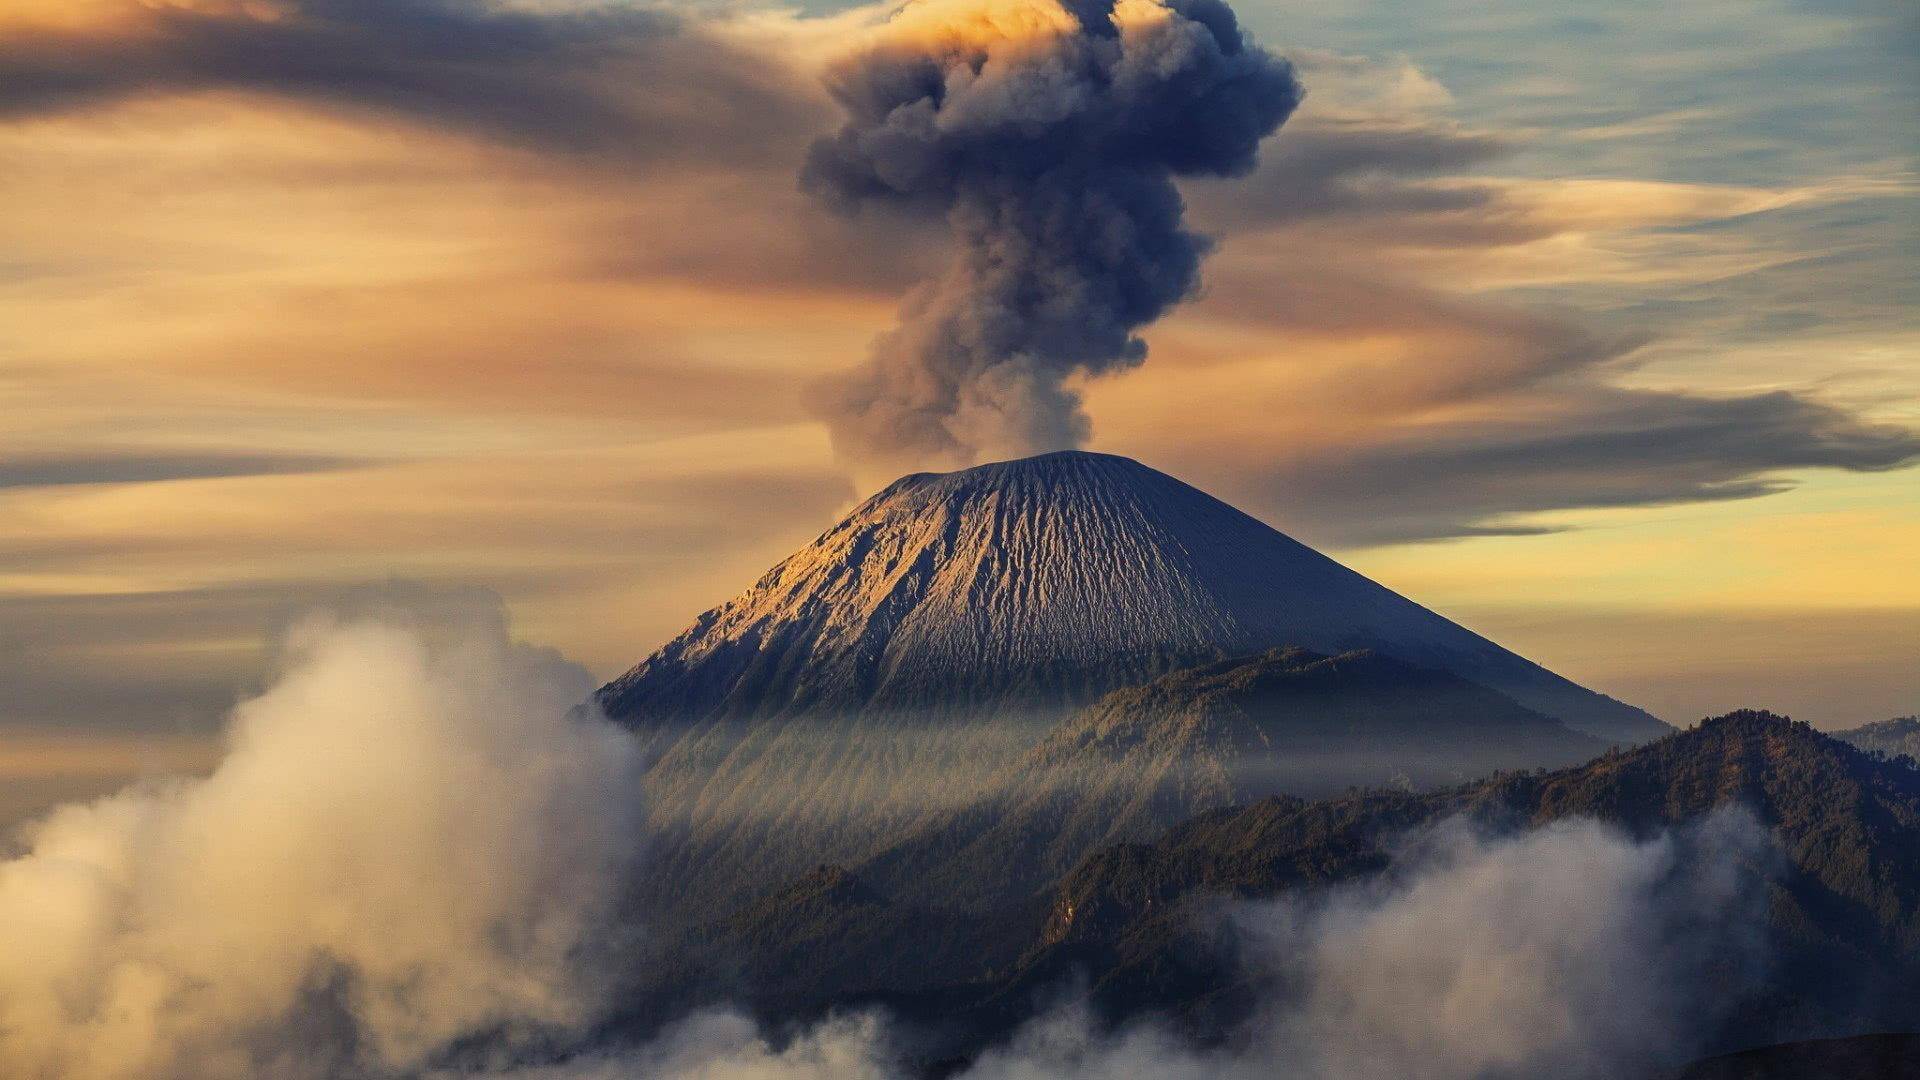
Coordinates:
[1049,136]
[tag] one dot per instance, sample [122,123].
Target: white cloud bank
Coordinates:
[408,841]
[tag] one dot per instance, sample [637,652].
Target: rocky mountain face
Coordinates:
[1041,583]
[1886,1056]
[1843,913]
[1129,922]
[904,666]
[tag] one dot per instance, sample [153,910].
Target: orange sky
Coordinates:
[268,335]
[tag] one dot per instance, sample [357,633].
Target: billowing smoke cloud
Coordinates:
[1571,951]
[410,841]
[1049,134]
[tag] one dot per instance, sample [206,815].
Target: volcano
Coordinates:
[878,690]
[1042,584]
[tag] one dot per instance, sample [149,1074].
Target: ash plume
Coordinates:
[1049,136]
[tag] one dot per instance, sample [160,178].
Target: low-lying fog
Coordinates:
[415,853]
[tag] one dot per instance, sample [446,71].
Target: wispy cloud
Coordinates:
[135,467]
[637,84]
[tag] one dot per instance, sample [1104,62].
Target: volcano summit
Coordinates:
[930,652]
[1040,584]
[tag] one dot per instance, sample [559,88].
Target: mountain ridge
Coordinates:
[890,671]
[1128,926]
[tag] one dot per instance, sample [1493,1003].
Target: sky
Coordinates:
[1591,327]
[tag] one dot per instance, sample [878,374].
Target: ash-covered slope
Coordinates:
[1040,584]
[1292,704]
[1286,721]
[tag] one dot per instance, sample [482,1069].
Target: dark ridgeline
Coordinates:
[1131,920]
[1847,911]
[1895,737]
[1886,1056]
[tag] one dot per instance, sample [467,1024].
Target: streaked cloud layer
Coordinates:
[298,294]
